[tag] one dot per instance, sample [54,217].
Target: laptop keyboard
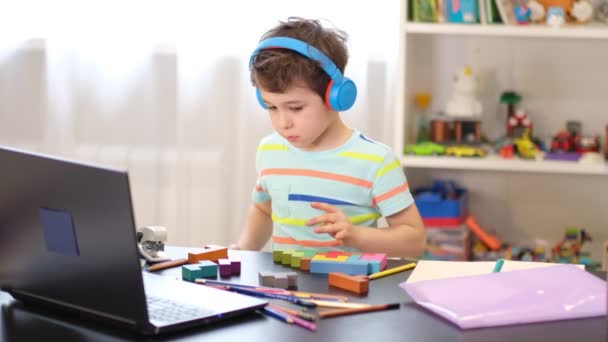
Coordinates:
[166,310]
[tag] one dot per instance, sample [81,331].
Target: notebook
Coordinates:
[68,241]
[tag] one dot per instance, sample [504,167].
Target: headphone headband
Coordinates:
[341,91]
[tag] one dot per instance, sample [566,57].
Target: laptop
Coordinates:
[68,241]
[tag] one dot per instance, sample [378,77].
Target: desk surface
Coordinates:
[21,323]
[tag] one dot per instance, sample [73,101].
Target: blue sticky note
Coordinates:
[59,233]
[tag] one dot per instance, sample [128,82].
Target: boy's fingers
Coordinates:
[324,206]
[327,229]
[321,219]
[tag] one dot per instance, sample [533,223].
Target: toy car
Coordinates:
[465,151]
[426,148]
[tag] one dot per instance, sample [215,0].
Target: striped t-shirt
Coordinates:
[362,177]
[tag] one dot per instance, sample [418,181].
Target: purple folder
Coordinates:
[514,297]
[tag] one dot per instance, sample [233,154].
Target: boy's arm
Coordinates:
[404,236]
[258,228]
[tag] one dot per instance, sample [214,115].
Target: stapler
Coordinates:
[150,243]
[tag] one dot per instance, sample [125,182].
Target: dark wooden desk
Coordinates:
[409,323]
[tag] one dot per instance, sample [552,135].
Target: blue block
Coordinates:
[191,272]
[351,268]
[208,268]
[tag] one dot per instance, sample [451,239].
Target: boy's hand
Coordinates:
[335,223]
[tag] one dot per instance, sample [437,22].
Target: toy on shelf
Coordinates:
[465,151]
[423,101]
[525,147]
[555,16]
[518,123]
[569,144]
[443,204]
[510,98]
[522,14]
[538,251]
[537,11]
[464,108]
[425,148]
[582,11]
[573,247]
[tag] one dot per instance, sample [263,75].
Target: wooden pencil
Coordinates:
[343,312]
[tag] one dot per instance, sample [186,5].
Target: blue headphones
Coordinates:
[341,91]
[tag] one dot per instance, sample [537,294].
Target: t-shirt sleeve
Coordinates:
[390,188]
[260,192]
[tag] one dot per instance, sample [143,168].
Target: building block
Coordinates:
[295,259]
[287,257]
[305,264]
[209,268]
[235,266]
[277,256]
[357,284]
[266,279]
[281,280]
[191,272]
[225,269]
[352,268]
[347,262]
[211,252]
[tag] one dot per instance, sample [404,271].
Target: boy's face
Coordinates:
[299,115]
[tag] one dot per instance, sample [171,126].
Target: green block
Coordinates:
[295,259]
[277,256]
[191,272]
[287,257]
[208,268]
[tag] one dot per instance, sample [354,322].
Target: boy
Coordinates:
[321,185]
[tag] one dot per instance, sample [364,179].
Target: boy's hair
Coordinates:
[275,70]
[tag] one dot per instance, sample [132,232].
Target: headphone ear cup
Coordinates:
[258,94]
[342,96]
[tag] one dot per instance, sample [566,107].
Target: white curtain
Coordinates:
[162,89]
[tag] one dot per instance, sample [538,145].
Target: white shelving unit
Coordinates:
[509,56]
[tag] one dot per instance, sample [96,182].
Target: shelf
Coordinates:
[495,163]
[590,31]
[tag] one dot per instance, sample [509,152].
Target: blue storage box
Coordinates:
[444,200]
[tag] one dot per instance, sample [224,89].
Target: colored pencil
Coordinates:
[392,271]
[285,317]
[330,304]
[300,294]
[293,299]
[166,264]
[498,265]
[293,312]
[371,308]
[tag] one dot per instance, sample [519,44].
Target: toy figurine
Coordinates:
[522,14]
[571,248]
[582,11]
[555,16]
[462,103]
[537,11]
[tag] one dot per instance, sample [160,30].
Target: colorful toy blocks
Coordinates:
[357,284]
[204,269]
[235,266]
[349,263]
[211,252]
[332,261]
[225,269]
[281,280]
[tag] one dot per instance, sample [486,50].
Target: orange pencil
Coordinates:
[342,312]
[167,264]
[293,312]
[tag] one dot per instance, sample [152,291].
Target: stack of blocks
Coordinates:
[205,264]
[334,261]
[282,280]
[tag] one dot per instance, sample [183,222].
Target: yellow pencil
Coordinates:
[334,304]
[392,271]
